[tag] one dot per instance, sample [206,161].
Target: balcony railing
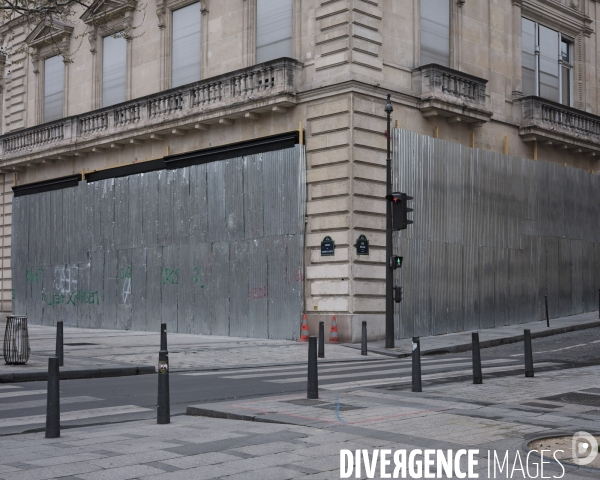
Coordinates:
[204,101]
[553,121]
[450,93]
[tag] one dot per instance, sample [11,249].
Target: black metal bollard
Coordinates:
[547,317]
[416,364]
[163,411]
[477,375]
[528,354]
[363,346]
[321,340]
[53,400]
[599,303]
[59,344]
[163,337]
[313,376]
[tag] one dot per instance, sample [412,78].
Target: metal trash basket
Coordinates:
[16,340]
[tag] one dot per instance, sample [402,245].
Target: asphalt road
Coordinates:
[121,399]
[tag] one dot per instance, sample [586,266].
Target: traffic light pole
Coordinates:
[389,271]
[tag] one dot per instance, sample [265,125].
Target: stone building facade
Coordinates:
[518,77]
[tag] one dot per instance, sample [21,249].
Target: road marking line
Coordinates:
[4,387]
[407,379]
[395,371]
[557,350]
[76,415]
[42,403]
[335,369]
[22,393]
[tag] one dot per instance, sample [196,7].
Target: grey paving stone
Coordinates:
[122,473]
[106,453]
[150,455]
[239,454]
[273,473]
[234,443]
[22,465]
[163,466]
[301,469]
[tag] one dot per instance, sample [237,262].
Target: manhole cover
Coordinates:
[591,390]
[541,405]
[82,344]
[305,402]
[576,398]
[342,407]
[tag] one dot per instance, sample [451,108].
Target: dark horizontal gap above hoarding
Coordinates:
[271,143]
[46,185]
[248,147]
[126,170]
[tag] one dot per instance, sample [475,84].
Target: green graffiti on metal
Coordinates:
[125,272]
[74,299]
[198,274]
[33,276]
[170,277]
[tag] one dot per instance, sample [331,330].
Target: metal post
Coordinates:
[59,344]
[416,365]
[321,339]
[389,271]
[163,336]
[363,346]
[53,400]
[163,411]
[313,378]
[547,318]
[477,375]
[528,354]
[599,303]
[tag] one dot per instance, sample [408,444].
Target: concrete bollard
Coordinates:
[528,354]
[321,340]
[53,400]
[313,376]
[163,411]
[59,344]
[477,375]
[363,346]
[547,317]
[416,364]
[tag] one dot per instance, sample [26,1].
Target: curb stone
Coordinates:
[78,374]
[466,347]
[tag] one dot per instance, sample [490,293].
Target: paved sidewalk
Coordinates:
[497,416]
[87,350]
[97,352]
[488,337]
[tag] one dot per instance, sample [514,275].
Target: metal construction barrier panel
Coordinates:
[16,341]
[492,235]
[215,248]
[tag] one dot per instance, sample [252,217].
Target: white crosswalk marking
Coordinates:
[329,366]
[371,373]
[431,376]
[5,387]
[22,393]
[42,403]
[75,415]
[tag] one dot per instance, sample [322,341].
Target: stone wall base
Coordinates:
[349,326]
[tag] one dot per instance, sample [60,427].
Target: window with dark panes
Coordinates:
[185,56]
[273,29]
[546,62]
[54,88]
[114,70]
[435,32]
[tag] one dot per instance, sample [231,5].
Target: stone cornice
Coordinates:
[556,15]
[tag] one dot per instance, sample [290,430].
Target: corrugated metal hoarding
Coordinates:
[215,249]
[492,235]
